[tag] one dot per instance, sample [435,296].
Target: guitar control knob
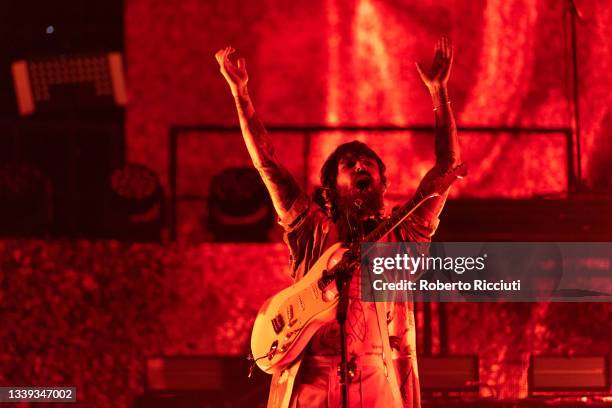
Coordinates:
[329,295]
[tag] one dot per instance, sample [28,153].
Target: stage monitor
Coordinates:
[569,374]
[212,373]
[449,373]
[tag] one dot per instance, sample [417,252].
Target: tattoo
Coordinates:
[282,187]
[261,138]
[446,149]
[446,142]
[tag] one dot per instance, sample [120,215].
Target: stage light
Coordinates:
[136,185]
[239,207]
[138,201]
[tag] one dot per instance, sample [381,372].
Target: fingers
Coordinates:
[447,56]
[220,55]
[445,46]
[223,54]
[228,68]
[448,53]
[420,70]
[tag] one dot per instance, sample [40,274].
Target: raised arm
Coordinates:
[446,141]
[281,185]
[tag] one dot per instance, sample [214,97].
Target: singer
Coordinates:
[348,204]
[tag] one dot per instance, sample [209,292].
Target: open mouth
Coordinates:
[363,182]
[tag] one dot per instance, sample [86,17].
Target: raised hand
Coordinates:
[437,77]
[234,73]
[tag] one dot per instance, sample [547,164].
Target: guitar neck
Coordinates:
[437,188]
[399,215]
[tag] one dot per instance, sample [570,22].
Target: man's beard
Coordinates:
[359,204]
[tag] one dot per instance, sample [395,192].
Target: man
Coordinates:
[380,336]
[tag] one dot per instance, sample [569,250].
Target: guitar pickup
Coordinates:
[290,312]
[291,316]
[278,323]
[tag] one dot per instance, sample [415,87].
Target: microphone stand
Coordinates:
[342,283]
[344,276]
[343,279]
[575,14]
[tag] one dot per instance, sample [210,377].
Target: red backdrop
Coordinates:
[86,314]
[352,62]
[334,61]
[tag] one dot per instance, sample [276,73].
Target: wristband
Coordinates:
[439,106]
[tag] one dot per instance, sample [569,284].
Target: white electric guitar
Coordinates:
[287,321]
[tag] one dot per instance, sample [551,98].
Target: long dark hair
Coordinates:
[326,194]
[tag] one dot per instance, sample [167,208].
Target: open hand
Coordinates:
[437,77]
[235,73]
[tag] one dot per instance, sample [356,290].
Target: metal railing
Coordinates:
[176,131]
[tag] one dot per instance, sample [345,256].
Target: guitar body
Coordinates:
[287,321]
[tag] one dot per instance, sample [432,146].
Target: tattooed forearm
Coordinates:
[446,141]
[281,185]
[436,80]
